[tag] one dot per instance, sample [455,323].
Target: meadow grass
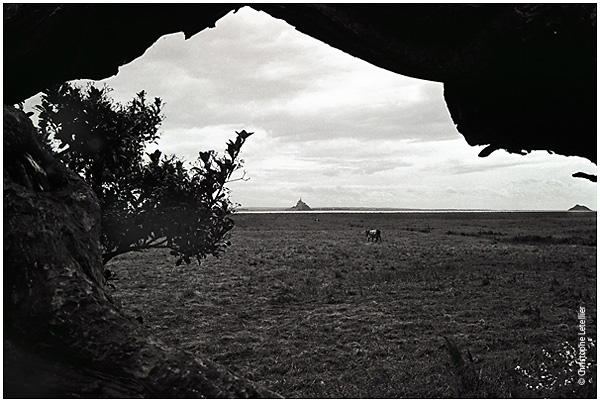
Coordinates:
[312,310]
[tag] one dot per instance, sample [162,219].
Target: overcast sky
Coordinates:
[331,128]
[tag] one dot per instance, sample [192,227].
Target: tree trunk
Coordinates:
[63,335]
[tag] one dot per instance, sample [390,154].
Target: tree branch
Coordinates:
[243,178]
[106,257]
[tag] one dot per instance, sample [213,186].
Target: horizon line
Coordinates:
[316,209]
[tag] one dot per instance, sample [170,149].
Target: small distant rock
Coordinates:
[580,208]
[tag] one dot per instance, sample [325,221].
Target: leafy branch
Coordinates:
[158,203]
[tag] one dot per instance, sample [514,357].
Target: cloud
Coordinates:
[259,71]
[330,127]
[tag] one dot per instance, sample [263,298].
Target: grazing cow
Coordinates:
[373,235]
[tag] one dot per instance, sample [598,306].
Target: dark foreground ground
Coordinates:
[448,305]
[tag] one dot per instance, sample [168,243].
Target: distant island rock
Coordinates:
[300,206]
[580,208]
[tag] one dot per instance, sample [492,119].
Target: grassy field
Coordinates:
[447,305]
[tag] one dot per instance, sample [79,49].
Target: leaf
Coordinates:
[205,156]
[243,134]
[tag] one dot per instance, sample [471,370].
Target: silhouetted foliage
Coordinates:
[155,203]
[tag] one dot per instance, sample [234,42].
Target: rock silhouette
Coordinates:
[580,208]
[300,206]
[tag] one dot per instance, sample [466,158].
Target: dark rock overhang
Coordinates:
[518,77]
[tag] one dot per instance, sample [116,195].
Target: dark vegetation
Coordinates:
[448,305]
[147,201]
[531,238]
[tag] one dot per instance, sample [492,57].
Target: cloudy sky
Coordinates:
[331,128]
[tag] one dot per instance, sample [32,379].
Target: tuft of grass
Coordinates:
[465,378]
[469,382]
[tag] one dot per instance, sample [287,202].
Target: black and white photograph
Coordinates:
[300,200]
